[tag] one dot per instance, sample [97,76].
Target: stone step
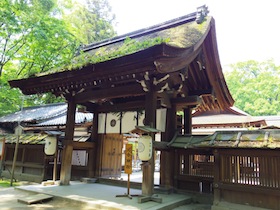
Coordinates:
[35,198]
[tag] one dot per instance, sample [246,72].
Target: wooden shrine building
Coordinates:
[174,65]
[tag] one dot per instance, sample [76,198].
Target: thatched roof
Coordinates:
[178,58]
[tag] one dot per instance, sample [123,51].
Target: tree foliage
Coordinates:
[37,36]
[32,38]
[255,87]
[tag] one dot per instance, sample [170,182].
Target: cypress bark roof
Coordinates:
[178,59]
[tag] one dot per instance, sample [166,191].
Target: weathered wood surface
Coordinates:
[65,174]
[111,155]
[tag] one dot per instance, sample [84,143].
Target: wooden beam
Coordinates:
[124,106]
[113,92]
[133,104]
[186,101]
[200,92]
[65,173]
[187,121]
[165,100]
[83,145]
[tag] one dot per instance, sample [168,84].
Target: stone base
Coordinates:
[155,198]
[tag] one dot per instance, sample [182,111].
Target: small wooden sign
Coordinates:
[128,159]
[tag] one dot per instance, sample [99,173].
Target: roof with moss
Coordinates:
[179,55]
[185,35]
[263,139]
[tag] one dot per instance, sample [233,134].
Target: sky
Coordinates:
[245,29]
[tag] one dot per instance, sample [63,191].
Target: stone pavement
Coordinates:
[9,201]
[102,196]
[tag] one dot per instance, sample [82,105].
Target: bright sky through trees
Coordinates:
[246,30]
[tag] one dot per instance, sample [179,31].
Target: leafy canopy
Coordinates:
[39,35]
[255,87]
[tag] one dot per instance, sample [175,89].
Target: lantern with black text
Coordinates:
[145,147]
[50,145]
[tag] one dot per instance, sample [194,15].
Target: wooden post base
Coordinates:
[155,198]
[127,195]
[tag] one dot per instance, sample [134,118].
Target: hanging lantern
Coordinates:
[145,148]
[50,145]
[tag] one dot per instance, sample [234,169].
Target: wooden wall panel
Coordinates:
[111,155]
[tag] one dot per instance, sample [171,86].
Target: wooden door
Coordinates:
[111,155]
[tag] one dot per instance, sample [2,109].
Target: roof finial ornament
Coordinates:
[201,13]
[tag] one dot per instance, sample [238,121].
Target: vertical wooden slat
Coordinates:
[231,169]
[273,173]
[278,172]
[264,171]
[277,159]
[225,170]
[222,168]
[254,171]
[217,178]
[267,178]
[257,171]
[182,164]
[177,168]
[246,171]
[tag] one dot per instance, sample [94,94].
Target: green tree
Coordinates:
[10,99]
[33,38]
[90,22]
[255,87]
[36,36]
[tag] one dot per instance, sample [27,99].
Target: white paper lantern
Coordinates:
[50,145]
[145,148]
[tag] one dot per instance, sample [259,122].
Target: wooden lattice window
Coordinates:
[197,165]
[251,170]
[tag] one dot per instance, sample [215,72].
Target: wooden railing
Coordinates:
[247,176]
[197,165]
[195,171]
[250,170]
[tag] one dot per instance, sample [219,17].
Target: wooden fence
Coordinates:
[248,177]
[243,176]
[194,170]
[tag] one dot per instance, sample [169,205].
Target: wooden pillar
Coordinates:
[93,153]
[188,120]
[65,173]
[217,191]
[150,120]
[167,158]
[98,144]
[177,165]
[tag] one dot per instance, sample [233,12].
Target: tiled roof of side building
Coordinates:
[36,113]
[61,120]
